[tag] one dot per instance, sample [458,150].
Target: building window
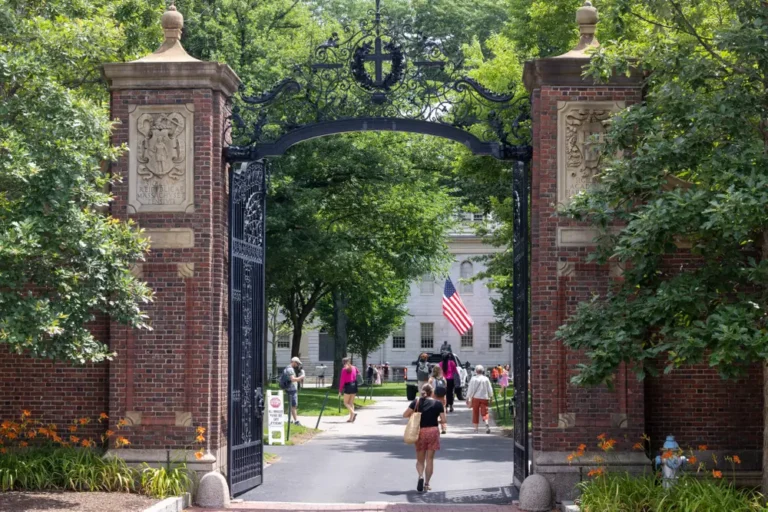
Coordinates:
[494,335]
[428,336]
[467,286]
[468,338]
[326,346]
[283,341]
[428,285]
[398,337]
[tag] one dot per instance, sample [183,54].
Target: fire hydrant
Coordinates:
[671,462]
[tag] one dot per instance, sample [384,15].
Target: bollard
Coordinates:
[325,400]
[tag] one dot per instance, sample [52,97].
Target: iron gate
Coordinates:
[520,319]
[247,326]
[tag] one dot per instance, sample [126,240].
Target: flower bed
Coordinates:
[618,492]
[36,456]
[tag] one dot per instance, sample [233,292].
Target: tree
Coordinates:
[376,303]
[63,260]
[277,327]
[338,202]
[699,175]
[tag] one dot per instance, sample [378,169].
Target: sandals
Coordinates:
[354,417]
[427,488]
[420,485]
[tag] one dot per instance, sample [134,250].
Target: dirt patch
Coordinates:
[302,438]
[74,502]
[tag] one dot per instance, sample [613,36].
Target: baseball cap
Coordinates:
[296,360]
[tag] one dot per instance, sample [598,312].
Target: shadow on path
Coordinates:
[488,496]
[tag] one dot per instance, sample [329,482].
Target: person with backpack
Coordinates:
[422,370]
[439,385]
[290,376]
[349,382]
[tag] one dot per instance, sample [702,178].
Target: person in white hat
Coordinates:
[291,375]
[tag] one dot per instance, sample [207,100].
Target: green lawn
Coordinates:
[387,389]
[299,434]
[311,401]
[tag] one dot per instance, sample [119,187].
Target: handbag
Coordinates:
[456,378]
[414,426]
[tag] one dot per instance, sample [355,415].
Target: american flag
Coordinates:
[454,310]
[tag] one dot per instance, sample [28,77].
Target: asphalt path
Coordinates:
[367,462]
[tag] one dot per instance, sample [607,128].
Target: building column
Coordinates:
[570,114]
[171,111]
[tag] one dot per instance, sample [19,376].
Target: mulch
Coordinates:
[74,502]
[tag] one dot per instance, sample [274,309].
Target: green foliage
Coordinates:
[62,259]
[621,492]
[163,482]
[64,468]
[698,175]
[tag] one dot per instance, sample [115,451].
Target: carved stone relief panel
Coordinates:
[161,170]
[581,127]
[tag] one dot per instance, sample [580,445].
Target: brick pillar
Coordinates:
[171,111]
[568,112]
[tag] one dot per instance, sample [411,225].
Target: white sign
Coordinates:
[276,417]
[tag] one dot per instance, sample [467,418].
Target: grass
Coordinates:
[311,401]
[300,434]
[270,458]
[620,492]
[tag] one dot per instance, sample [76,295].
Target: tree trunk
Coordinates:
[298,327]
[364,357]
[765,429]
[340,302]
[274,356]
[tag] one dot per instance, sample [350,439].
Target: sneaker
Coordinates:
[297,423]
[487,429]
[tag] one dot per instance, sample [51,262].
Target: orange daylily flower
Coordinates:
[200,430]
[87,443]
[200,439]
[31,434]
[103,416]
[121,441]
[73,428]
[3,450]
[666,455]
[23,444]
[582,447]
[121,423]
[83,421]
[74,439]
[43,431]
[109,433]
[596,472]
[638,446]
[736,459]
[11,435]
[607,445]
[717,474]
[601,437]
[25,413]
[199,455]
[703,447]
[692,459]
[570,457]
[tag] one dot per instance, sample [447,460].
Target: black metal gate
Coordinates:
[247,349]
[520,319]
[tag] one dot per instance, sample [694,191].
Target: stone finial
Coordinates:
[171,49]
[587,18]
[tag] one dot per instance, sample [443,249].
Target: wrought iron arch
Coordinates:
[372,76]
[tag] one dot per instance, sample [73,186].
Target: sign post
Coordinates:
[276,417]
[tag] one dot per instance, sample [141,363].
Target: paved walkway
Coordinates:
[390,507]
[367,462]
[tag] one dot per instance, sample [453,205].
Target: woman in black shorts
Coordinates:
[432,412]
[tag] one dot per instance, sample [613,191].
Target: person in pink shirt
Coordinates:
[348,386]
[449,371]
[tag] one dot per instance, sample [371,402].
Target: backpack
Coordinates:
[441,387]
[285,380]
[422,371]
[359,378]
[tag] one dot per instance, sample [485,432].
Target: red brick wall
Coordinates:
[554,298]
[55,392]
[177,367]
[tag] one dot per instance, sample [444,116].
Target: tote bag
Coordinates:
[414,426]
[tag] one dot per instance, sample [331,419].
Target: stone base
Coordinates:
[563,476]
[159,458]
[213,491]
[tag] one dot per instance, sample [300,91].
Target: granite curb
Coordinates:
[173,504]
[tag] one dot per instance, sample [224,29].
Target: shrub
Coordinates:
[621,492]
[36,456]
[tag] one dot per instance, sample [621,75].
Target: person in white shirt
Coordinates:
[479,394]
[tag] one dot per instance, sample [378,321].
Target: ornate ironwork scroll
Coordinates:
[372,71]
[246,325]
[520,318]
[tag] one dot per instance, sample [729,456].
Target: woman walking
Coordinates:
[504,380]
[439,385]
[348,386]
[448,366]
[478,396]
[432,413]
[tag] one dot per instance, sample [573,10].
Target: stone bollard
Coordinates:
[535,494]
[213,491]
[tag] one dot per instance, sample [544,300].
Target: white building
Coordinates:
[425,327]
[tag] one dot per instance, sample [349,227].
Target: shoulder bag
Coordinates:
[414,425]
